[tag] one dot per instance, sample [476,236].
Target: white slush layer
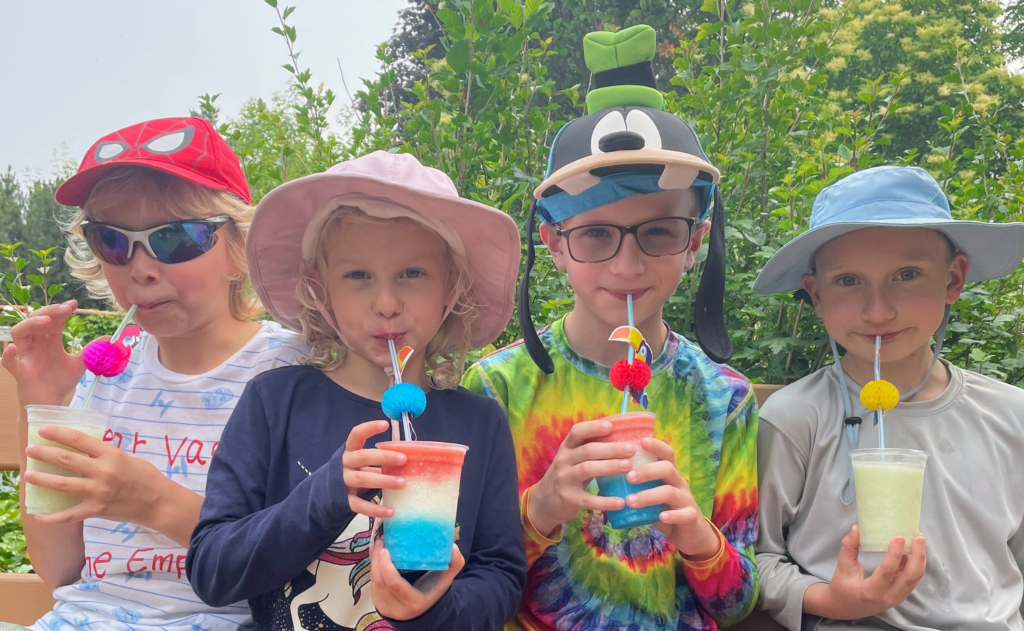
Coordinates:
[433,499]
[642,457]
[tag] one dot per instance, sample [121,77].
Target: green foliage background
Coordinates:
[788,96]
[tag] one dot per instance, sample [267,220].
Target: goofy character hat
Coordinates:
[628,145]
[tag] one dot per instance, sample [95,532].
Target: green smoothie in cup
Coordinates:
[40,501]
[889,484]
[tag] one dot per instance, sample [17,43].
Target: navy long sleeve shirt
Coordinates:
[276,528]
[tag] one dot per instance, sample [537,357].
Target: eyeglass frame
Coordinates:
[623,231]
[142,236]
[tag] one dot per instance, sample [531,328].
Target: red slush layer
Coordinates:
[426,459]
[628,428]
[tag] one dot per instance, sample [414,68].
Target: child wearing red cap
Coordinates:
[163,214]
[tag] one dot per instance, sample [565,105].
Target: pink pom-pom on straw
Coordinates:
[99,357]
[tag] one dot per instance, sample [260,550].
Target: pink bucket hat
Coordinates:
[383,184]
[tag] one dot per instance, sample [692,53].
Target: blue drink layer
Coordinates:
[618,486]
[419,543]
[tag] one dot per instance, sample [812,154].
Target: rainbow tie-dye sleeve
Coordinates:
[494,386]
[726,586]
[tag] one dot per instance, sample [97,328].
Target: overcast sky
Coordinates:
[72,71]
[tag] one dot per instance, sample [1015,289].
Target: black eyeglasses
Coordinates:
[594,243]
[170,243]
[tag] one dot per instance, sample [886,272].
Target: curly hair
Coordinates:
[172,195]
[446,351]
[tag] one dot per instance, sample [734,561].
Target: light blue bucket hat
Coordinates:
[897,197]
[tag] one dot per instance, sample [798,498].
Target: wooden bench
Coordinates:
[24,598]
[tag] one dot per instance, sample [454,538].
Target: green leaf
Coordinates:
[20,294]
[20,263]
[272,3]
[532,6]
[53,290]
[458,56]
[35,279]
[710,6]
[288,11]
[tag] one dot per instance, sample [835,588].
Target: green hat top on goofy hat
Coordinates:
[627,145]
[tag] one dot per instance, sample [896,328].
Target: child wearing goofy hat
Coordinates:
[623,205]
[882,262]
[375,251]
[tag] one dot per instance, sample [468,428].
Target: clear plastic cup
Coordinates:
[889,483]
[630,428]
[40,501]
[420,534]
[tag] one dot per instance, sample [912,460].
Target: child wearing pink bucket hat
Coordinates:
[374,252]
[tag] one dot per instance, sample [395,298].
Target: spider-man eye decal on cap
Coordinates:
[109,150]
[185,147]
[172,142]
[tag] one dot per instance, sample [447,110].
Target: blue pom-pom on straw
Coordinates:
[403,397]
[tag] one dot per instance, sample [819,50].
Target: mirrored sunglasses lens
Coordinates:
[109,244]
[182,242]
[664,237]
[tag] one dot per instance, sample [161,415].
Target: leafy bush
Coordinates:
[12,540]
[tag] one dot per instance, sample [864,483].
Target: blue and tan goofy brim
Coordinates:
[892,197]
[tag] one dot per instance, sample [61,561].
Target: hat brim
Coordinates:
[993,249]
[656,157]
[273,247]
[75,191]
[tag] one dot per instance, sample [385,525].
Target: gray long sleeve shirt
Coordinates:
[971,513]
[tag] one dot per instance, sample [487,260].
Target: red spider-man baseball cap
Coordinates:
[187,147]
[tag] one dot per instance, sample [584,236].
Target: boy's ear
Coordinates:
[809,282]
[700,230]
[554,244]
[958,269]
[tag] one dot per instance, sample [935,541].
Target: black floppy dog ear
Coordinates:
[709,316]
[530,338]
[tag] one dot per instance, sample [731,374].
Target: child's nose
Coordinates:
[143,268]
[879,307]
[629,260]
[386,303]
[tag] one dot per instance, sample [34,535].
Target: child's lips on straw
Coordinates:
[383,338]
[149,306]
[886,337]
[623,293]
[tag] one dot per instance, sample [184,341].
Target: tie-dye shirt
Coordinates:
[598,578]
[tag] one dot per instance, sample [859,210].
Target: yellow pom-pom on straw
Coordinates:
[879,393]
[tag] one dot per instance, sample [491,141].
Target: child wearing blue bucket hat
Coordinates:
[882,262]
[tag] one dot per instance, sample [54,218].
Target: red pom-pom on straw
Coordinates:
[619,374]
[639,375]
[636,375]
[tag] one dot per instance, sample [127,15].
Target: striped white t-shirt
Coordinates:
[134,578]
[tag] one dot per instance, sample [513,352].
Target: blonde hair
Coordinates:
[174,196]
[446,352]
